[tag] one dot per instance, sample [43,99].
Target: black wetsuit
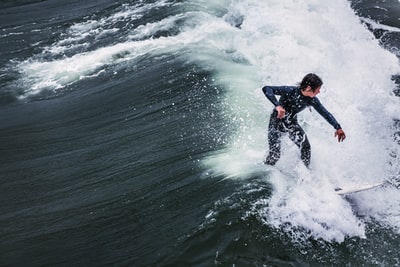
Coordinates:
[293,101]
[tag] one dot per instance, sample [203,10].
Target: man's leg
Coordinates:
[274,141]
[299,137]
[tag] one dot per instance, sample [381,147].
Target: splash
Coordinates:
[277,43]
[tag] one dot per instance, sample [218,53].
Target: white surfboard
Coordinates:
[343,190]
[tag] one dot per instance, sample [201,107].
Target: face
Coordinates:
[308,92]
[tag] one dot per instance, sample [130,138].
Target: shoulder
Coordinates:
[279,90]
[317,104]
[290,89]
[282,87]
[315,101]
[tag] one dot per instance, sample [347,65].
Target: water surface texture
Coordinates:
[133,133]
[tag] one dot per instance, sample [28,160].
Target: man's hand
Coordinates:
[340,135]
[281,112]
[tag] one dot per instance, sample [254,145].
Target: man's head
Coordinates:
[311,80]
[311,85]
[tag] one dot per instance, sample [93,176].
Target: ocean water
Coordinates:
[133,133]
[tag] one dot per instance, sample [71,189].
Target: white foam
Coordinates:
[376,25]
[278,42]
[59,73]
[63,63]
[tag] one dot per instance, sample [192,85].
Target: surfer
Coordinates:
[294,99]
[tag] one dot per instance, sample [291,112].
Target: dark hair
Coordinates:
[311,80]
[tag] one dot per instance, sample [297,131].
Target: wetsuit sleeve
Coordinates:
[325,113]
[271,91]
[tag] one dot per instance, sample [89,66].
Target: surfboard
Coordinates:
[357,188]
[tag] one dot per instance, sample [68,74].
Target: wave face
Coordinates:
[133,133]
